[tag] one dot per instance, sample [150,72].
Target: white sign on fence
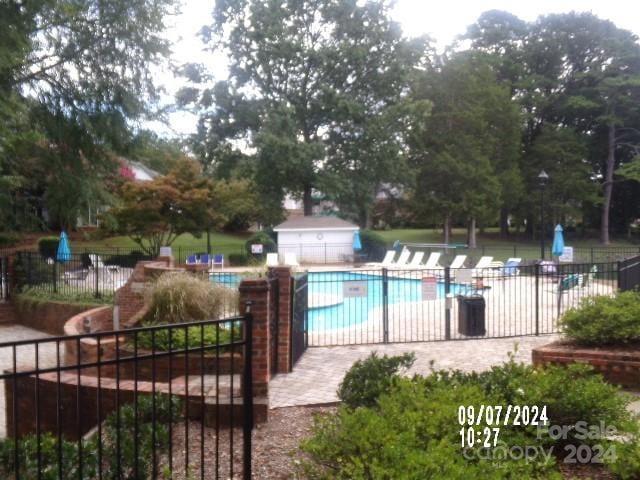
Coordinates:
[256,248]
[429,288]
[464,275]
[354,288]
[567,255]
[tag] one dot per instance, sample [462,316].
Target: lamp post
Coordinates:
[543,179]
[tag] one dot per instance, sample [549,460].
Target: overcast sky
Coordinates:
[443,20]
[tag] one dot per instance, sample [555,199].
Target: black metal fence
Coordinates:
[83,275]
[4,278]
[382,305]
[629,274]
[169,401]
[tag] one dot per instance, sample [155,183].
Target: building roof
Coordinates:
[315,223]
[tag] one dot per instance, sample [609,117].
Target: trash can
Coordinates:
[471,315]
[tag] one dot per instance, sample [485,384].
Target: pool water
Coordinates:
[355,310]
[226,279]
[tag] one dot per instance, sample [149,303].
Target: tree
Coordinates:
[156,212]
[73,74]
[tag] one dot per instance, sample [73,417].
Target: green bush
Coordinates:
[373,245]
[604,320]
[48,246]
[412,430]
[171,339]
[45,295]
[367,379]
[239,259]
[9,239]
[260,237]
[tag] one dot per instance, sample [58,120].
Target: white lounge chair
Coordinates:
[387,261]
[483,263]
[272,260]
[432,262]
[416,261]
[290,259]
[458,262]
[97,263]
[402,260]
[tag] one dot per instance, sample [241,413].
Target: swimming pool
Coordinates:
[226,279]
[356,310]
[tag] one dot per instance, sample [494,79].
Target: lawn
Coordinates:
[220,243]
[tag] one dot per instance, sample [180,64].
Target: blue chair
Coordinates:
[204,259]
[192,260]
[218,260]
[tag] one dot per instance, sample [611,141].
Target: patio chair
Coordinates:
[432,262]
[192,260]
[416,261]
[483,264]
[204,259]
[96,262]
[386,261]
[402,260]
[290,259]
[510,268]
[589,277]
[218,260]
[565,285]
[272,260]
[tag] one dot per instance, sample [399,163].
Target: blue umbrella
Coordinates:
[64,252]
[558,242]
[357,244]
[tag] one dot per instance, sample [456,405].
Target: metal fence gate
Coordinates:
[629,274]
[300,307]
[366,306]
[4,278]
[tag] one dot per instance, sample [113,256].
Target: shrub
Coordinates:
[412,429]
[239,259]
[373,245]
[260,237]
[180,297]
[44,295]
[367,379]
[128,260]
[604,320]
[9,239]
[48,246]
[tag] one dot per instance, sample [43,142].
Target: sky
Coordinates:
[442,20]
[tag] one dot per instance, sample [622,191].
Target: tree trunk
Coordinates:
[504,222]
[447,229]
[471,234]
[608,185]
[307,201]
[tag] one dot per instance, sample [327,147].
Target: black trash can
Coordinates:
[471,315]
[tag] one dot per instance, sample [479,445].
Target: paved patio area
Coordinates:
[318,373]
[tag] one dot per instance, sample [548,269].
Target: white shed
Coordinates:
[317,239]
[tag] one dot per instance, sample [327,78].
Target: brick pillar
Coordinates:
[285,301]
[257,292]
[169,261]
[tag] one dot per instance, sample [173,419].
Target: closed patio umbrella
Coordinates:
[357,244]
[558,242]
[64,252]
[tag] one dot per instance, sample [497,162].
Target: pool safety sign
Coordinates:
[256,248]
[567,255]
[429,288]
[354,288]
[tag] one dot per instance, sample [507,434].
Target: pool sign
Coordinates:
[567,255]
[464,275]
[256,248]
[429,288]
[354,288]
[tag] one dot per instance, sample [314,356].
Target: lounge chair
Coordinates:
[386,262]
[97,262]
[403,259]
[510,268]
[218,260]
[290,259]
[416,261]
[204,259]
[483,263]
[432,262]
[458,262]
[191,260]
[589,277]
[272,260]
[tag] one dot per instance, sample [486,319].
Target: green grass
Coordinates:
[220,243]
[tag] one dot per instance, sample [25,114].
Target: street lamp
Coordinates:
[543,179]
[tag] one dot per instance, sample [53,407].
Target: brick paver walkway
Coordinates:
[316,376]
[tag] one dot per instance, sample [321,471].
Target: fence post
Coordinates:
[247,393]
[55,277]
[591,254]
[619,275]
[385,306]
[97,291]
[447,311]
[325,252]
[537,273]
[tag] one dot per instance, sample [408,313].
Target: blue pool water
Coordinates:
[356,310]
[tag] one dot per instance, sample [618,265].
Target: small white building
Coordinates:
[317,239]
